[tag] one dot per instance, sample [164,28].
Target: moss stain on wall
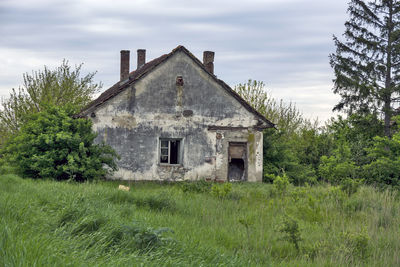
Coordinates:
[250,141]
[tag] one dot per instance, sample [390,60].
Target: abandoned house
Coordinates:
[173,119]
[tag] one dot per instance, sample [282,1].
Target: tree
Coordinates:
[367,63]
[286,116]
[54,145]
[60,87]
[383,167]
[357,131]
[281,145]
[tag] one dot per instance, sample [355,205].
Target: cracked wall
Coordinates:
[157,107]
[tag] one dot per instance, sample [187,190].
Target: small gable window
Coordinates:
[170,151]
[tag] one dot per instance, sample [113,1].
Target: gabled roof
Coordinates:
[148,67]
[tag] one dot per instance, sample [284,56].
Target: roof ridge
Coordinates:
[147,67]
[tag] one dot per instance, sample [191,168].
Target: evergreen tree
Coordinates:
[367,62]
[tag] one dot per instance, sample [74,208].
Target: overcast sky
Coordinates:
[285,43]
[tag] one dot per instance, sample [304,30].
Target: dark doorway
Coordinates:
[237,162]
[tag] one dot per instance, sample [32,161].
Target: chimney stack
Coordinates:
[141,57]
[124,74]
[208,61]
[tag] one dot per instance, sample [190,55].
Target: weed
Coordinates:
[45,223]
[281,184]
[221,190]
[87,225]
[353,205]
[121,197]
[350,186]
[158,202]
[247,222]
[201,186]
[356,245]
[136,237]
[291,231]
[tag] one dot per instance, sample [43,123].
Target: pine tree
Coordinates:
[367,62]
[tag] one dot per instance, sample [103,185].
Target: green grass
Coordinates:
[46,223]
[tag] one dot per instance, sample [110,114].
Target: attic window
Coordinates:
[170,151]
[179,81]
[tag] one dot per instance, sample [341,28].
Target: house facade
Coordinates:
[173,119]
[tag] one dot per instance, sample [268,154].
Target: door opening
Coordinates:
[237,162]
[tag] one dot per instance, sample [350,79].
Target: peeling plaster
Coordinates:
[134,121]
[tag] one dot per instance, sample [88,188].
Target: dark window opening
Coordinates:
[170,151]
[174,152]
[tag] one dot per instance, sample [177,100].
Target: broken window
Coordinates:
[170,151]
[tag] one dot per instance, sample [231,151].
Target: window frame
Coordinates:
[180,151]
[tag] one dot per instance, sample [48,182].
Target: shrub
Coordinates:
[383,171]
[384,160]
[291,231]
[334,171]
[56,146]
[281,183]
[356,244]
[196,187]
[137,237]
[221,190]
[350,186]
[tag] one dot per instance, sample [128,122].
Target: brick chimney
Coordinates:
[141,57]
[208,61]
[124,74]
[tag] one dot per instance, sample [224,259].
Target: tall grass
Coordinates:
[45,223]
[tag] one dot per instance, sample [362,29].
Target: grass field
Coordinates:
[46,223]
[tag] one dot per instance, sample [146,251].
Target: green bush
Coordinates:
[280,156]
[334,171]
[221,190]
[54,145]
[281,183]
[350,186]
[383,171]
[137,237]
[356,245]
[291,231]
[201,186]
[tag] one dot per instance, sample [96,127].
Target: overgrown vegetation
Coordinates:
[344,149]
[39,137]
[53,145]
[48,223]
[62,86]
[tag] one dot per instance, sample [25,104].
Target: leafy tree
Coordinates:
[311,143]
[54,145]
[61,86]
[338,166]
[384,160]
[367,62]
[357,131]
[281,146]
[280,159]
[286,116]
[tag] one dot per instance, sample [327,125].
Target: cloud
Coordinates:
[285,43]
